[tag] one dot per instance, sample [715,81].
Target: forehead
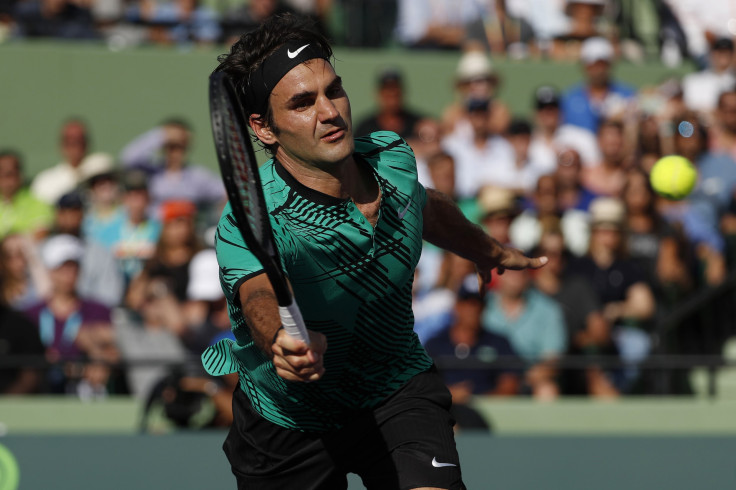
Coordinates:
[305,77]
[9,162]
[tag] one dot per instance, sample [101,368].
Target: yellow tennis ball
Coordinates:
[673,177]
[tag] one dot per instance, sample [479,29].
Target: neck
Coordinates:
[337,180]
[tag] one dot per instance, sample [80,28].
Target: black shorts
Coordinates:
[406,442]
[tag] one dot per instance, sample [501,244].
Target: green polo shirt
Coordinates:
[351,281]
[24,213]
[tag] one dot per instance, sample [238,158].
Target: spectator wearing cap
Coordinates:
[134,240]
[598,97]
[475,79]
[72,327]
[498,207]
[103,214]
[482,160]
[534,325]
[463,337]
[625,296]
[163,153]
[550,136]
[100,277]
[77,164]
[523,176]
[20,210]
[701,89]
[441,24]
[392,114]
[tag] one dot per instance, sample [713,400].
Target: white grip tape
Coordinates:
[291,319]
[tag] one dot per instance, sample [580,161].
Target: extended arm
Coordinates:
[447,227]
[292,358]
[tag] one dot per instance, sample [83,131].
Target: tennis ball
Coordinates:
[673,177]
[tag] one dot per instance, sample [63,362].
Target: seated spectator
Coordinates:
[425,142]
[176,21]
[169,266]
[52,183]
[245,18]
[588,332]
[527,170]
[533,324]
[443,24]
[724,133]
[584,16]
[571,191]
[701,89]
[475,79]
[19,339]
[392,113]
[72,327]
[100,277]
[626,298]
[485,159]
[64,19]
[23,278]
[609,176]
[550,137]
[163,153]
[136,237]
[498,208]
[598,97]
[464,338]
[103,215]
[20,211]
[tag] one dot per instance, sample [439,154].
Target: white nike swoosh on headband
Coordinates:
[437,464]
[295,53]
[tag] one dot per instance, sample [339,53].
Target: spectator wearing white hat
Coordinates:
[598,97]
[701,89]
[441,24]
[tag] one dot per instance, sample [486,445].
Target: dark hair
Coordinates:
[177,121]
[248,52]
[15,155]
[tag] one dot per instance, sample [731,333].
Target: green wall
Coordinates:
[122,94]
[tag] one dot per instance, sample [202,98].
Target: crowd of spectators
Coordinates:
[106,263]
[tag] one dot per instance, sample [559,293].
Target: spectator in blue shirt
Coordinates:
[598,97]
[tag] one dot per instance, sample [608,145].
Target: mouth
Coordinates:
[333,135]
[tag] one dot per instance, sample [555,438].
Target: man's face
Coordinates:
[598,72]
[74,143]
[391,97]
[727,112]
[69,220]
[10,178]
[548,117]
[311,116]
[611,142]
[721,59]
[176,146]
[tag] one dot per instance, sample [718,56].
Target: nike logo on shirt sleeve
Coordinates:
[437,464]
[403,211]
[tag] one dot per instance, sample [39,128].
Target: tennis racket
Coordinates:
[240,174]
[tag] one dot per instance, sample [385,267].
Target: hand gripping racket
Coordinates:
[240,174]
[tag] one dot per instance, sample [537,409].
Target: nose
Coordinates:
[326,109]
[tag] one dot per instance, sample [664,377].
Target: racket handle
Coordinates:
[291,319]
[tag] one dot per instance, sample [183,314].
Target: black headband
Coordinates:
[264,78]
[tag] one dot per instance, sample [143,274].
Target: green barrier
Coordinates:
[196,462]
[122,94]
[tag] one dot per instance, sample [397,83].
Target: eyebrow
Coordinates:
[306,94]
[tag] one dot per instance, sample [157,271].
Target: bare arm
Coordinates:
[292,358]
[446,226]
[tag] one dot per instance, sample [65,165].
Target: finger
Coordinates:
[290,345]
[537,262]
[481,286]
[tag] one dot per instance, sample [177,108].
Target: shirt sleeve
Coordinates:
[237,263]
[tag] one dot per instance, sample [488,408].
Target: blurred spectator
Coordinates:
[725,127]
[598,97]
[163,153]
[247,17]
[527,170]
[534,325]
[498,208]
[319,11]
[425,143]
[136,237]
[52,183]
[475,79]
[531,25]
[608,177]
[701,24]
[23,278]
[550,137]
[588,332]
[571,192]
[626,298]
[392,114]
[65,19]
[20,211]
[103,215]
[701,89]
[583,15]
[169,266]
[72,327]
[100,277]
[657,247]
[464,338]
[18,339]
[442,24]
[176,21]
[483,160]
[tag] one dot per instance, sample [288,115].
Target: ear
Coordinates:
[261,130]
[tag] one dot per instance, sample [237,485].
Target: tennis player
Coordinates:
[348,217]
